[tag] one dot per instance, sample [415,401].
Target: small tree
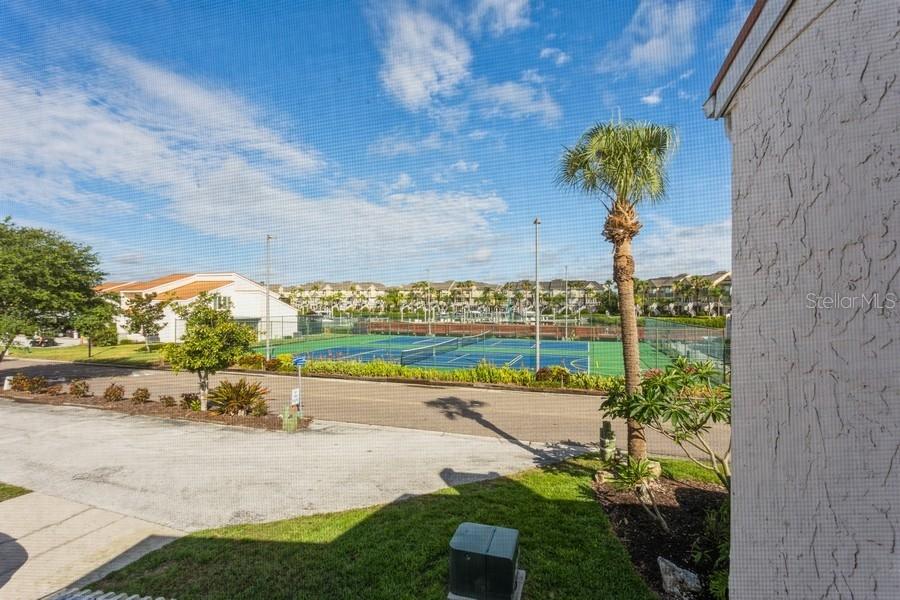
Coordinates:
[212,341]
[10,327]
[143,314]
[95,322]
[681,403]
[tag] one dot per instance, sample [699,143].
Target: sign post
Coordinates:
[296,393]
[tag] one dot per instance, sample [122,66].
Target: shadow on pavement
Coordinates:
[454,408]
[12,557]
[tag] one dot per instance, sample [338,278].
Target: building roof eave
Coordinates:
[758,28]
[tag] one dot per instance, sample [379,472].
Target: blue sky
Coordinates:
[375,141]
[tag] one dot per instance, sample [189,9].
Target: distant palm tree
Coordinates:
[624,162]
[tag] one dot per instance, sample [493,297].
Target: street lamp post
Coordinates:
[537,297]
[269,239]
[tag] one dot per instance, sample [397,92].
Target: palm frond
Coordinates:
[624,161]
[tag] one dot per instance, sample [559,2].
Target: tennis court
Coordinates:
[462,352]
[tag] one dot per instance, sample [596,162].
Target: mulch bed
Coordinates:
[684,506]
[270,422]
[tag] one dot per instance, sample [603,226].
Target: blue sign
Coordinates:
[299,360]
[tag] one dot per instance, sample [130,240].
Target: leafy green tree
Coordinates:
[625,164]
[212,341]
[96,322]
[143,314]
[46,280]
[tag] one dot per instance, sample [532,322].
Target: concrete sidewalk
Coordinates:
[48,543]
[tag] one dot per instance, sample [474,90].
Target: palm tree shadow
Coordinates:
[12,557]
[454,408]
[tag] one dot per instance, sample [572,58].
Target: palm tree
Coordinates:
[624,162]
[641,287]
[716,293]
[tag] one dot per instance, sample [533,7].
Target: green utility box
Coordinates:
[484,563]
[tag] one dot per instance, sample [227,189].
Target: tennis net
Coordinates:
[414,355]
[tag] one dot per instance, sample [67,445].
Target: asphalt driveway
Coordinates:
[513,415]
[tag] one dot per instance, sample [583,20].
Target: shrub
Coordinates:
[188,399]
[638,477]
[239,398]
[287,361]
[556,374]
[251,361]
[140,395]
[709,322]
[260,408]
[53,390]
[79,388]
[167,401]
[19,382]
[681,403]
[23,383]
[712,547]
[114,393]
[272,364]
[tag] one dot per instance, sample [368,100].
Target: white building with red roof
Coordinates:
[244,297]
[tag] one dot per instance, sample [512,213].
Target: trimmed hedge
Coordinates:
[484,372]
[711,322]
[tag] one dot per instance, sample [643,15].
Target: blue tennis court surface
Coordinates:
[456,353]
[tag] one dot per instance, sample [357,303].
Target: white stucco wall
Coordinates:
[816,212]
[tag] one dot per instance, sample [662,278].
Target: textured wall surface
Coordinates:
[816,215]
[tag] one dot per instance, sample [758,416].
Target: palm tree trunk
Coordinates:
[623,273]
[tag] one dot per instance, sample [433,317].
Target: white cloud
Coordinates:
[462,166]
[391,146]
[481,256]
[660,35]
[532,76]
[402,183]
[409,227]
[128,141]
[556,55]
[653,98]
[666,248]
[424,59]
[518,101]
[478,134]
[500,16]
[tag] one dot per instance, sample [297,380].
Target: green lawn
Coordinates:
[686,470]
[400,550]
[129,354]
[11,491]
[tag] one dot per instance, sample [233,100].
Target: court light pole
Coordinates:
[567,303]
[537,296]
[428,299]
[269,239]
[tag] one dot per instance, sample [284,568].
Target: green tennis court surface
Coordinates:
[595,357]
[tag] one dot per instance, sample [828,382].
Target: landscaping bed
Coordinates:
[270,422]
[684,504]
